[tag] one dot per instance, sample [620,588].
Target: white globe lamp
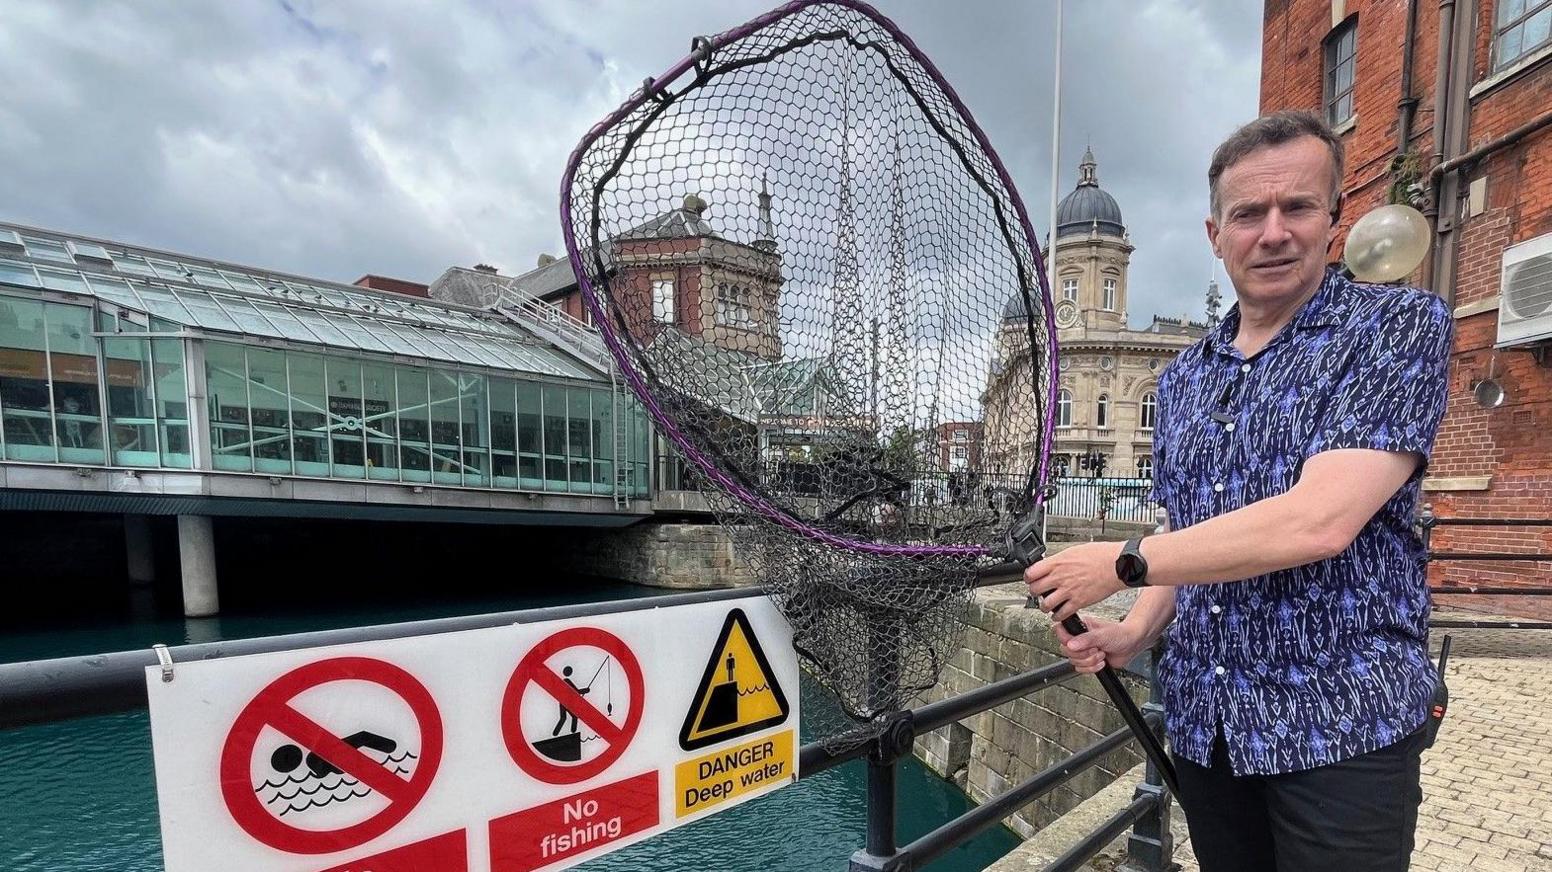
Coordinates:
[1387,244]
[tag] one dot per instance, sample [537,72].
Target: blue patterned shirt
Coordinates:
[1312,665]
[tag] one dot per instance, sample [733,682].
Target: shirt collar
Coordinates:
[1325,309]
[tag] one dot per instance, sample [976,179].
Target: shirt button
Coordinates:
[1220,670]
[1229,427]
[1217,609]
[1244,367]
[1218,488]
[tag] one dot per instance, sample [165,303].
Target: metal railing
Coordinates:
[72,687]
[1427,521]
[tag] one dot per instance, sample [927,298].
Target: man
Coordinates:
[1288,452]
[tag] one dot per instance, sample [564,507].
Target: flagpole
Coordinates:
[1056,147]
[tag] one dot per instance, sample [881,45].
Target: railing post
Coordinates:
[1151,847]
[893,742]
[1426,520]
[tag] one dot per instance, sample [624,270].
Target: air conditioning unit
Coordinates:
[1525,307]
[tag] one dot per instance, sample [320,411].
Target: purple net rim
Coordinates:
[639,387]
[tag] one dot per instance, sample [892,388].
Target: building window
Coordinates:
[1070,286]
[1110,295]
[663,300]
[1521,27]
[732,307]
[1150,409]
[1064,409]
[1102,412]
[1341,61]
[1145,467]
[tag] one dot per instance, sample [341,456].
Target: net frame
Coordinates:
[830,555]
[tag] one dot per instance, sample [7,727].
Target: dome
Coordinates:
[1088,207]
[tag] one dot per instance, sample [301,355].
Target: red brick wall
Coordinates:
[393,286]
[1512,443]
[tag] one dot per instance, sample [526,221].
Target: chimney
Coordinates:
[767,238]
[694,204]
[546,259]
[485,268]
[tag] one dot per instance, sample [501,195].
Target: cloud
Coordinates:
[338,138]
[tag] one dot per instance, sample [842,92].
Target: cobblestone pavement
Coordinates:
[1487,782]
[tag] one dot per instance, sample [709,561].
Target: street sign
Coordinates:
[499,750]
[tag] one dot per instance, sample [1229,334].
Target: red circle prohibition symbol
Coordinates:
[272,708]
[532,673]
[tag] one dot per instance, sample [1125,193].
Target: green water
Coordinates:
[80,795]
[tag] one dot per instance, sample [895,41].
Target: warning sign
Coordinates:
[515,748]
[738,693]
[305,774]
[545,690]
[707,782]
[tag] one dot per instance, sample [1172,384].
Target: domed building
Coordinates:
[1108,378]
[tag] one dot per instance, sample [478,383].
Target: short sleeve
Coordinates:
[1393,393]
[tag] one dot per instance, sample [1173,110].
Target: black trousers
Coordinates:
[1359,814]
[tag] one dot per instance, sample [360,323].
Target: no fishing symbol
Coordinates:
[573,705]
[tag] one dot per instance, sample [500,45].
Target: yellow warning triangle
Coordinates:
[738,693]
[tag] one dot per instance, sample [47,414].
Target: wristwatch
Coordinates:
[1131,568]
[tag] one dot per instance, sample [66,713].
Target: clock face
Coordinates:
[1066,313]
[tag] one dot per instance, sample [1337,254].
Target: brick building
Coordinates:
[1460,127]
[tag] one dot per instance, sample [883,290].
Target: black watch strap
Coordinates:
[1131,568]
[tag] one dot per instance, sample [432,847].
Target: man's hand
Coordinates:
[1106,643]
[1075,578]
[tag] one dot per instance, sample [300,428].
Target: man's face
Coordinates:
[1273,223]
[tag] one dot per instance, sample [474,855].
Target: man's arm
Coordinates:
[1336,495]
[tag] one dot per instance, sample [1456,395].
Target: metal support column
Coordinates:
[1151,847]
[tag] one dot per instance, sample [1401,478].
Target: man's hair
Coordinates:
[1276,129]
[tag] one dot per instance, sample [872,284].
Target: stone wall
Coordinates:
[991,752]
[688,556]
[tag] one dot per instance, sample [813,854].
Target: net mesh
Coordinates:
[814,275]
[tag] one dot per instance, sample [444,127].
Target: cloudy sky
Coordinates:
[338,138]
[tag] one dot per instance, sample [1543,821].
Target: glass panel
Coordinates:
[580,439]
[231,443]
[271,410]
[47,249]
[172,402]
[359,337]
[309,420]
[283,320]
[382,450]
[115,291]
[643,444]
[503,432]
[161,302]
[325,331]
[414,424]
[554,438]
[530,436]
[444,428]
[208,277]
[603,441]
[59,280]
[77,402]
[1508,46]
[475,428]
[168,270]
[133,264]
[1509,10]
[395,340]
[1537,29]
[242,282]
[24,388]
[249,320]
[205,311]
[345,417]
[131,414]
[1344,76]
[15,273]
[1344,107]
